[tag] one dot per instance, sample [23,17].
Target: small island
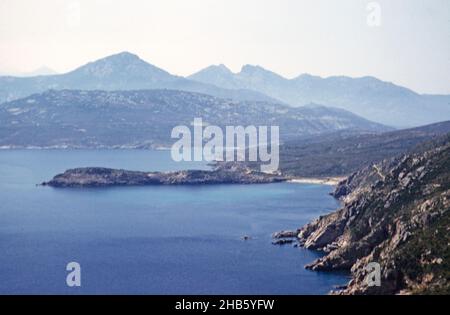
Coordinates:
[104,177]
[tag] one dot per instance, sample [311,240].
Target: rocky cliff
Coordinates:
[395,213]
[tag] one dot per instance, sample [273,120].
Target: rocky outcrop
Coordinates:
[395,213]
[284,237]
[101,177]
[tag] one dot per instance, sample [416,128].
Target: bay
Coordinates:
[155,239]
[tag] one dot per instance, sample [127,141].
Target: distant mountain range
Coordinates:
[123,71]
[145,118]
[44,70]
[368,97]
[39,71]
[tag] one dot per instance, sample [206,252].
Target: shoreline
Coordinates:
[102,177]
[68,148]
[332,181]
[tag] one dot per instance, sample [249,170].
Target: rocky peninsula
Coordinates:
[103,177]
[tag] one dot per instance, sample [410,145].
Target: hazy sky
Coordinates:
[410,47]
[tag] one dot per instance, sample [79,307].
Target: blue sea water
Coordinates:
[151,240]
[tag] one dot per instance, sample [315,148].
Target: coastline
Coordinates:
[102,177]
[332,181]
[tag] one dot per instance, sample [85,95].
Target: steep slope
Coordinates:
[395,213]
[123,71]
[344,152]
[368,97]
[145,118]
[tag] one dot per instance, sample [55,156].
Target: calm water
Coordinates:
[166,240]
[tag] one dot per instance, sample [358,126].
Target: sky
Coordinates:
[402,41]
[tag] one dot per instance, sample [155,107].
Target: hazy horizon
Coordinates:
[409,46]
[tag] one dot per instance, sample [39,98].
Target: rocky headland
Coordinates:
[102,177]
[395,213]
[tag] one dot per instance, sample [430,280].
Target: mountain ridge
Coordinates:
[371,98]
[145,118]
[121,71]
[344,152]
[367,96]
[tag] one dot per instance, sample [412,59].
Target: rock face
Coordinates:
[101,177]
[395,213]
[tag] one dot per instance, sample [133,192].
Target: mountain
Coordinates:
[395,213]
[123,71]
[344,152]
[145,118]
[44,70]
[368,97]
[39,71]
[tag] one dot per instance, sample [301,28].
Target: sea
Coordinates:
[151,239]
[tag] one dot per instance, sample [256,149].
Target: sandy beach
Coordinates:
[310,180]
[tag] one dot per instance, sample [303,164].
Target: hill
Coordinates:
[145,118]
[343,152]
[395,213]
